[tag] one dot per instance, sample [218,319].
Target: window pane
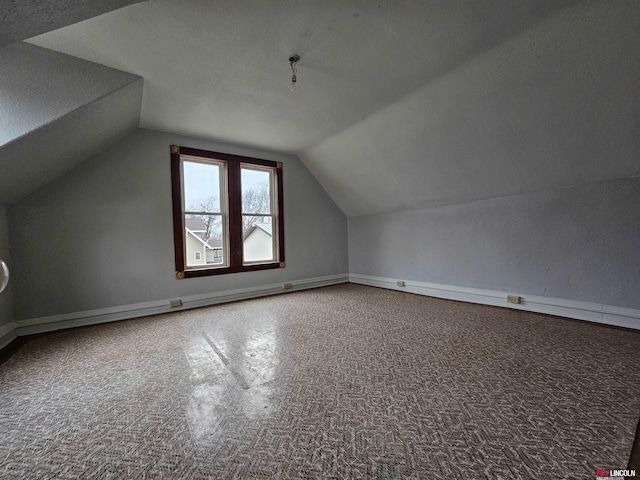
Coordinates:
[258,239]
[204,241]
[256,191]
[201,187]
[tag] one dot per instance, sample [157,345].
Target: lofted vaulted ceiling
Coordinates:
[57,111]
[25,18]
[400,104]
[219,69]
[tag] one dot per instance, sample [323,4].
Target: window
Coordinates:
[227,213]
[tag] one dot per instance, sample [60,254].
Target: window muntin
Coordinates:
[231,207]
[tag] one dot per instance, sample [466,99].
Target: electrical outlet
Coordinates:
[514,299]
[175,303]
[287,286]
[401,283]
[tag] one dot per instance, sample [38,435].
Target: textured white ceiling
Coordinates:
[400,104]
[25,18]
[57,111]
[219,69]
[557,106]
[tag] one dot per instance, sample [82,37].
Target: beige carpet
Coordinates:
[340,382]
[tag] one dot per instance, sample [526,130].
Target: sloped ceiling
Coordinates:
[20,19]
[557,106]
[220,69]
[57,110]
[400,104]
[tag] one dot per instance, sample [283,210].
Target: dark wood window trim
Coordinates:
[234,201]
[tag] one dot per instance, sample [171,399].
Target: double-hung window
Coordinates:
[227,213]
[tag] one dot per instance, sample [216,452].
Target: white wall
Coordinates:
[5,297]
[102,235]
[579,243]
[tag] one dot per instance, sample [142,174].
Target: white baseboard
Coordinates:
[593,312]
[610,315]
[7,334]
[123,312]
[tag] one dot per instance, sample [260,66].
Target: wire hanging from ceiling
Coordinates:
[293,62]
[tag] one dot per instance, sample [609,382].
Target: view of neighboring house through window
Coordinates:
[227,213]
[203,215]
[257,214]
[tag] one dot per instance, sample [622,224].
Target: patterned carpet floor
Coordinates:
[338,382]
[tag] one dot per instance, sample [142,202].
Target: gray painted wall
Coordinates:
[102,235]
[579,243]
[5,297]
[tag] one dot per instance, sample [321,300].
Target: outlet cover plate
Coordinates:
[514,299]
